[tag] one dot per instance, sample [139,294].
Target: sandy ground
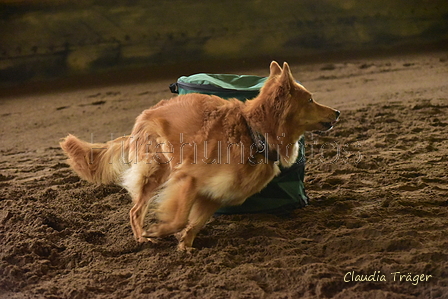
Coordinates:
[378,186]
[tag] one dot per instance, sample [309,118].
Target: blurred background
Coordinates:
[51,39]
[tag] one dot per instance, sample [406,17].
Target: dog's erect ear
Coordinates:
[286,67]
[286,76]
[275,69]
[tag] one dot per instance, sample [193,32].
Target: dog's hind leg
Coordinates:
[177,201]
[142,181]
[200,213]
[138,212]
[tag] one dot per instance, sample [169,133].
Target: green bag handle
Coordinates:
[242,87]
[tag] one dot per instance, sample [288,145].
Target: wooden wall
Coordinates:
[56,38]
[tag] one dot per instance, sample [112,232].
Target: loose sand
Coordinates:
[378,186]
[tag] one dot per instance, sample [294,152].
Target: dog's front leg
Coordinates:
[200,213]
[175,208]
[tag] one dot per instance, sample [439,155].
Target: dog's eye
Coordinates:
[310,100]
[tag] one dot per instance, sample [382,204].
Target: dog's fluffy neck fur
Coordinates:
[266,113]
[272,113]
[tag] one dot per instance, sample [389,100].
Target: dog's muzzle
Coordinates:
[329,125]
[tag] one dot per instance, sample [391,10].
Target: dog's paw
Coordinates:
[145,237]
[161,230]
[187,249]
[152,232]
[179,236]
[152,240]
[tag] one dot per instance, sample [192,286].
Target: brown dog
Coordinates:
[195,153]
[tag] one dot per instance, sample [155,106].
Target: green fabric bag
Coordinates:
[285,192]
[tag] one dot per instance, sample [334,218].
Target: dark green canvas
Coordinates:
[286,191]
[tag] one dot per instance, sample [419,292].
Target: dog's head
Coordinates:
[299,107]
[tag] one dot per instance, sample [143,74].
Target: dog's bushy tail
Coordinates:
[96,162]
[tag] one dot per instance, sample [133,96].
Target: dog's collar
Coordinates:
[262,145]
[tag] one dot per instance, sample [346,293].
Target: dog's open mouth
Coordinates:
[327,125]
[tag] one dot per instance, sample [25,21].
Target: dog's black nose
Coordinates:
[337,113]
